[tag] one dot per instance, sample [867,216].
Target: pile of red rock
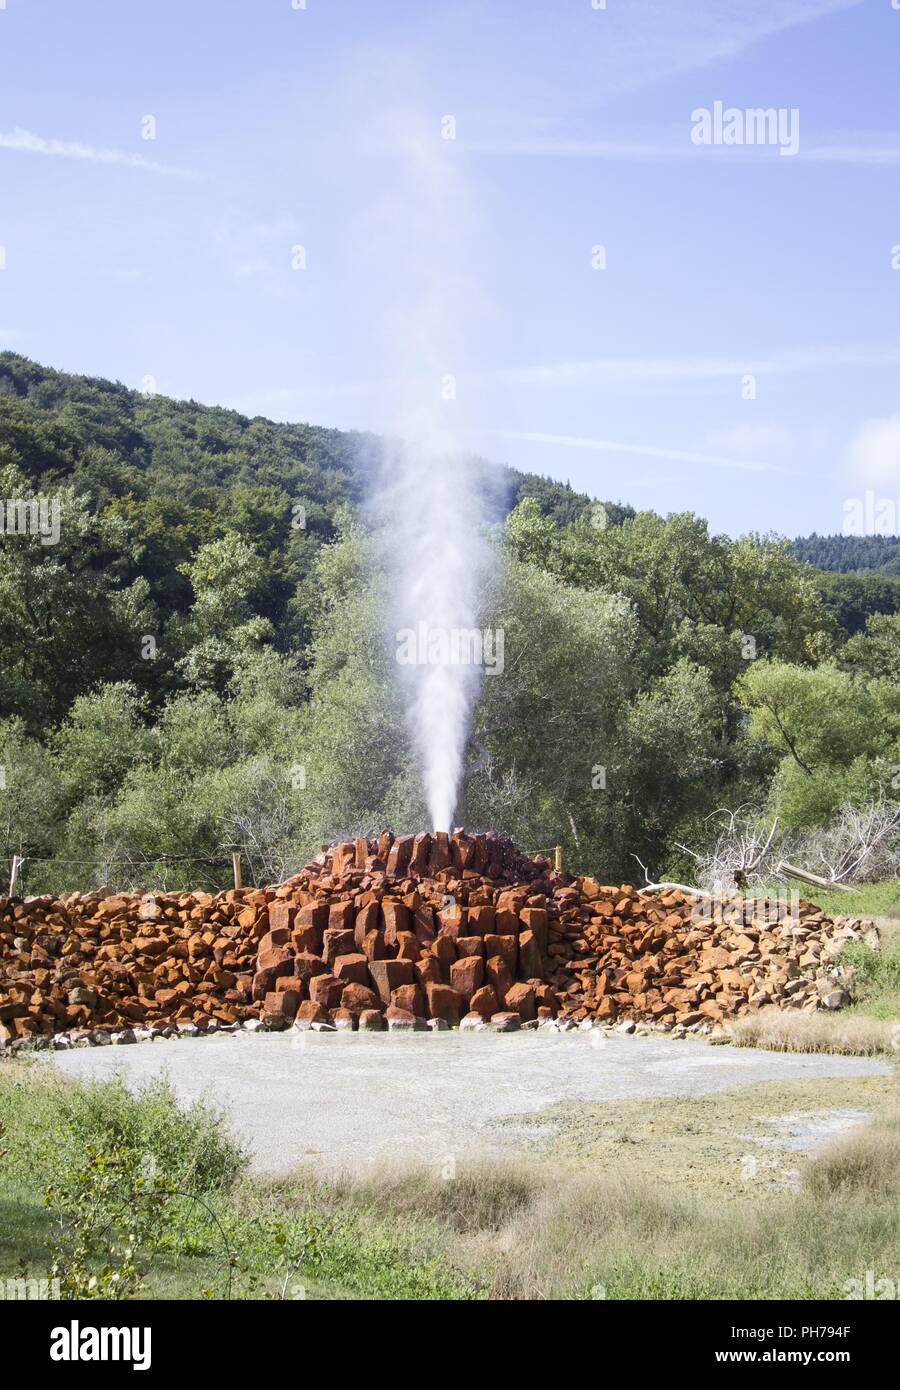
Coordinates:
[418,927]
[679,960]
[453,929]
[397,930]
[118,961]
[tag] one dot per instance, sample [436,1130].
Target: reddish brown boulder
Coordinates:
[500,976]
[374,946]
[399,1018]
[312,915]
[274,940]
[343,857]
[307,938]
[544,996]
[272,956]
[388,975]
[281,916]
[444,1002]
[452,921]
[326,990]
[310,1012]
[352,969]
[398,859]
[357,997]
[408,997]
[505,946]
[481,920]
[307,965]
[535,920]
[423,925]
[265,980]
[290,982]
[429,970]
[484,1002]
[408,947]
[366,921]
[467,975]
[421,850]
[520,998]
[341,916]
[440,852]
[531,967]
[337,942]
[396,919]
[281,1006]
[443,948]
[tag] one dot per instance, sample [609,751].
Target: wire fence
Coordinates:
[140,869]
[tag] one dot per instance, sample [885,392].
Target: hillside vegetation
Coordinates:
[202,661]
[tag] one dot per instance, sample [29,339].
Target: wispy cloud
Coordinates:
[611,446]
[28,142]
[858,148]
[561,52]
[640,371]
[863,147]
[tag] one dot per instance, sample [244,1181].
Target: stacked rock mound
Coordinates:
[399,930]
[407,928]
[116,961]
[458,928]
[678,960]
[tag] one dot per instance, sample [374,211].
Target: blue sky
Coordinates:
[171,262]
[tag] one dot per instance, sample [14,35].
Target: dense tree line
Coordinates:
[188,670]
[850,554]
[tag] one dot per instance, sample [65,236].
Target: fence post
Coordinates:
[557,859]
[17,863]
[236,866]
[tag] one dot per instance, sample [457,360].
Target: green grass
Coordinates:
[217,1233]
[876,989]
[865,900]
[515,1229]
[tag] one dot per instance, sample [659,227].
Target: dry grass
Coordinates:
[585,1234]
[471,1197]
[867,1160]
[782,1030]
[522,1228]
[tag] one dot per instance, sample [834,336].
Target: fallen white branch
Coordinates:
[805,877]
[650,887]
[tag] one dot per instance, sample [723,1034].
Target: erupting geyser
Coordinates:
[420,236]
[439,567]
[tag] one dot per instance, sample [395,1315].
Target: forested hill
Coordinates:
[181,474]
[850,554]
[187,670]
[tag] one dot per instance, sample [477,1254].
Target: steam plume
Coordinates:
[430,496]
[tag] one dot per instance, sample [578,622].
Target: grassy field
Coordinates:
[627,1205]
[866,900]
